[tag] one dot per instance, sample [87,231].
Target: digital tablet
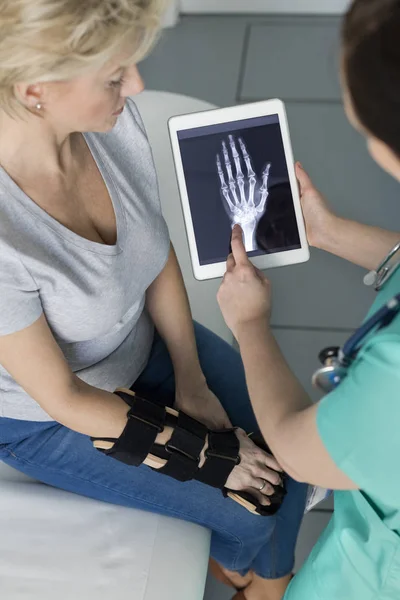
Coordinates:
[235,165]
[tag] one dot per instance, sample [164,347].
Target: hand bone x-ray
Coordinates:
[236,172]
[244,196]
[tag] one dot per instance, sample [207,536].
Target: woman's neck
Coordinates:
[32,145]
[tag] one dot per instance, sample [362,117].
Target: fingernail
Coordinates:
[300,165]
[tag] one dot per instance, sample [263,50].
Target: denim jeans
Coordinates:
[66,459]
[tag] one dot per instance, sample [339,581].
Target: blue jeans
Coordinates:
[240,541]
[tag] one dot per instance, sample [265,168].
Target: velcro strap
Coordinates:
[184,448]
[222,456]
[145,421]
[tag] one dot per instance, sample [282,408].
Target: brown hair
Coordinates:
[371,44]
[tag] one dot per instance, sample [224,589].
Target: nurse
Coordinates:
[350,441]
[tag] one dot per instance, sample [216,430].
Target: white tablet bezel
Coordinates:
[226,115]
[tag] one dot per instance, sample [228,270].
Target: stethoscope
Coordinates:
[336,361]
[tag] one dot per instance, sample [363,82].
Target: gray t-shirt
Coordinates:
[91,294]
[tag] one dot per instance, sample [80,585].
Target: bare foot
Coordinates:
[230,578]
[239,596]
[264,589]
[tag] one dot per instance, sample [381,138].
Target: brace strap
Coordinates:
[182,452]
[222,455]
[184,448]
[145,421]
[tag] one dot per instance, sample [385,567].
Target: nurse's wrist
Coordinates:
[326,237]
[249,331]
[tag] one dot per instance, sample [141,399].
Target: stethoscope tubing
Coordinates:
[383,317]
[338,360]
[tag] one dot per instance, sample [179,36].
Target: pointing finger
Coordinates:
[238,249]
[230,263]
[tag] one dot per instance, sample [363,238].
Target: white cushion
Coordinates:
[55,544]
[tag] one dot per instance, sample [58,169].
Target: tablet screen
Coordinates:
[236,172]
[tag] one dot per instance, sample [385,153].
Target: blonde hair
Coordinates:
[52,40]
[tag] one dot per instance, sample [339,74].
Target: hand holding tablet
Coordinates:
[235,166]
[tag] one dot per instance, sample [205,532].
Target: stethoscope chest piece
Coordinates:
[336,361]
[327,378]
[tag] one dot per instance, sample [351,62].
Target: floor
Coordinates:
[228,60]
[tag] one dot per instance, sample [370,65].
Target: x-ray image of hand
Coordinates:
[244,196]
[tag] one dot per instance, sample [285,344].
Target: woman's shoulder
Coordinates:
[10,224]
[13,272]
[18,228]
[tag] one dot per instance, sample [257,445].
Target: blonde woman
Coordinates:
[87,274]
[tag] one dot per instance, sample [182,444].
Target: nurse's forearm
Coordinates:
[285,414]
[276,395]
[363,245]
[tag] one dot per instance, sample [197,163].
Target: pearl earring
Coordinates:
[38,106]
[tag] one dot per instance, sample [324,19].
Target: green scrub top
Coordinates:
[358,555]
